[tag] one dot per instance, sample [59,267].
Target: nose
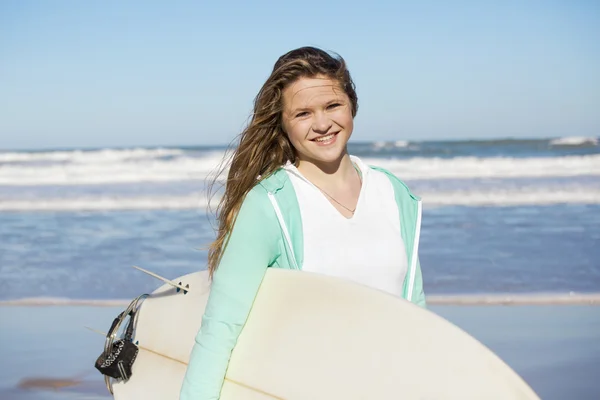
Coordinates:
[321,123]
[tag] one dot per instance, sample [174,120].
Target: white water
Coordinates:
[154,179]
[131,166]
[492,167]
[198,201]
[574,141]
[94,156]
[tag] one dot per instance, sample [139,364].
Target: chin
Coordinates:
[328,156]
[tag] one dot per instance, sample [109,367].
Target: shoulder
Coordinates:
[400,187]
[257,202]
[256,218]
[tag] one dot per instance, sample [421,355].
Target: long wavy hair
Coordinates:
[263,145]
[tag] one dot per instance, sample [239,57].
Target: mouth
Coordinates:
[326,139]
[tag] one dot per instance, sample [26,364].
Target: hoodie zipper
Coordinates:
[415,252]
[286,234]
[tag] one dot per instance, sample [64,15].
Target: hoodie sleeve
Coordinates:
[252,247]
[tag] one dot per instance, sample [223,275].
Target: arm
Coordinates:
[251,249]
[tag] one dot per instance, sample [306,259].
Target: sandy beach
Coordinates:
[555,348]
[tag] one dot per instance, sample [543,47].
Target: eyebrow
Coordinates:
[301,109]
[328,103]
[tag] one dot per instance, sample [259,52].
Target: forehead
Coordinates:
[305,91]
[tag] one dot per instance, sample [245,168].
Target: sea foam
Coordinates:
[198,201]
[116,168]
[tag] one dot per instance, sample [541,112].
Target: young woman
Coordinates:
[296,199]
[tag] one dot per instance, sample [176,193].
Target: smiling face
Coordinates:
[317,117]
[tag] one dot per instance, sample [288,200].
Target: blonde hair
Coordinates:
[263,145]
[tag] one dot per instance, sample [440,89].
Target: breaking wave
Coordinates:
[132,166]
[197,201]
[574,141]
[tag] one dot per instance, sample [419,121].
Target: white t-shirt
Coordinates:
[366,248]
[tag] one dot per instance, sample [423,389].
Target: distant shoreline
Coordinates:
[558,140]
[438,300]
[515,299]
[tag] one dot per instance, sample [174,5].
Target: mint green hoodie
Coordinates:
[268,233]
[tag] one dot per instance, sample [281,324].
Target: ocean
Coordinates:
[500,216]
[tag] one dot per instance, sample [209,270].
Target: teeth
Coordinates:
[325,138]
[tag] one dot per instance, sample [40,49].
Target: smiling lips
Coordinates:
[325,140]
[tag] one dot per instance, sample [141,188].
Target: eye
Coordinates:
[332,106]
[302,114]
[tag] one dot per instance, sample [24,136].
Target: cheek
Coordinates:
[344,118]
[297,131]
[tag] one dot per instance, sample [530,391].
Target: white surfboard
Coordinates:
[314,337]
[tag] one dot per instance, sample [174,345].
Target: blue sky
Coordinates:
[146,73]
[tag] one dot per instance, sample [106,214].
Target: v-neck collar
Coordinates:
[361,169]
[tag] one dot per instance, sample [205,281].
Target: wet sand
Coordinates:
[555,348]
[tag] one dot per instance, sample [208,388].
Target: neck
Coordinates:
[333,174]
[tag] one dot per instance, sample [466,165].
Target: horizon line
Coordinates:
[227,145]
